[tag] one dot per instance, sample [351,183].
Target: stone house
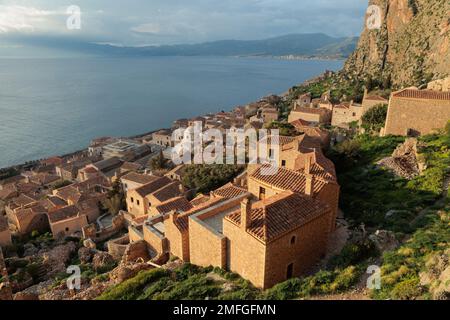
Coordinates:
[314,115]
[30,218]
[163,138]
[67,221]
[274,228]
[285,235]
[69,171]
[134,180]
[413,112]
[176,173]
[140,200]
[303,100]
[269,115]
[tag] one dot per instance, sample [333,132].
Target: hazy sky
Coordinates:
[154,22]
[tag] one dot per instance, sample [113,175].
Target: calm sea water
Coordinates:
[56,106]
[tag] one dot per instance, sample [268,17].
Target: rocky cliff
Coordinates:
[411,47]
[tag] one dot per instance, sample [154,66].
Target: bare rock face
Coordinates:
[88,243]
[91,292]
[5,291]
[85,255]
[437,275]
[102,259]
[126,271]
[384,240]
[412,46]
[55,260]
[136,251]
[33,292]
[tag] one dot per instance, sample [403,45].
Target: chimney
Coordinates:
[181,188]
[246,213]
[308,165]
[309,187]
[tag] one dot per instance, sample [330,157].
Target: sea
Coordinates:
[56,106]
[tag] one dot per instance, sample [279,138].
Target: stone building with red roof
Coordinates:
[274,228]
[415,112]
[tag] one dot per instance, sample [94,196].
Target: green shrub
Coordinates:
[131,289]
[406,290]
[285,290]
[375,118]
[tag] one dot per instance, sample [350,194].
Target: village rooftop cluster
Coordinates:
[266,228]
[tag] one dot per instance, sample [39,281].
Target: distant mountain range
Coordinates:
[314,45]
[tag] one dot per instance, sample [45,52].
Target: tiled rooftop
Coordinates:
[139,178]
[422,94]
[280,214]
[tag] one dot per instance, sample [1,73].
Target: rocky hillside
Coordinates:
[412,46]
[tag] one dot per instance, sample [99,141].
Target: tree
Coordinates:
[375,118]
[158,162]
[205,178]
[113,205]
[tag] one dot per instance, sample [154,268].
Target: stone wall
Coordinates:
[208,247]
[155,240]
[421,116]
[246,254]
[309,246]
[117,247]
[178,241]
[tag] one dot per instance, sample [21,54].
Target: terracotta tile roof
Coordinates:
[182,221]
[311,110]
[229,191]
[3,224]
[7,193]
[199,200]
[53,202]
[29,187]
[108,164]
[90,170]
[375,98]
[139,178]
[130,166]
[37,209]
[22,200]
[10,180]
[286,179]
[300,123]
[167,192]
[63,214]
[44,179]
[178,204]
[282,140]
[153,186]
[422,94]
[280,214]
[178,170]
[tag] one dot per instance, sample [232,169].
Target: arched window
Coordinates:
[293,239]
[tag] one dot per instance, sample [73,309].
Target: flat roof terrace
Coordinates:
[216,221]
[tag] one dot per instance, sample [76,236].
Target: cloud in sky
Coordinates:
[143,22]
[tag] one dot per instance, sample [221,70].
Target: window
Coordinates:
[293,239]
[132,199]
[283,163]
[137,201]
[67,229]
[290,271]
[354,114]
[262,193]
